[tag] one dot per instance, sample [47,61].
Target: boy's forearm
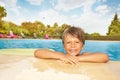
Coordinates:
[99,58]
[43,53]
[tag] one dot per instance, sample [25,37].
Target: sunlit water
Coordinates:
[111,48]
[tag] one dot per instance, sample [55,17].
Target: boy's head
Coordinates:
[73,40]
[74,32]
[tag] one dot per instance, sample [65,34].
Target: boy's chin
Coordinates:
[73,54]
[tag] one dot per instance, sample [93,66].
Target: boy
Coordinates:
[73,40]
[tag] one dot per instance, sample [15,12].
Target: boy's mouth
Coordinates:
[73,50]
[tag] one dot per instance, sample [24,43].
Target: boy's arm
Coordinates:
[94,57]
[49,54]
[45,53]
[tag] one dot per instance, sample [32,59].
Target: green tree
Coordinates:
[55,25]
[31,27]
[116,17]
[95,34]
[3,12]
[37,27]
[114,28]
[87,34]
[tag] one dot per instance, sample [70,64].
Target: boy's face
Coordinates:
[72,45]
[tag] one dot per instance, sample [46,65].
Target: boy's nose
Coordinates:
[73,45]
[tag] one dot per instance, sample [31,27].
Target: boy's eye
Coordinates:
[77,42]
[67,42]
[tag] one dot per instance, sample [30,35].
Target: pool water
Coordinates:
[112,48]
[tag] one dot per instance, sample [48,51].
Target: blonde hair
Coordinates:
[75,32]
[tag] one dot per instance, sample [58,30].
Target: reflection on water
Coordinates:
[114,51]
[110,48]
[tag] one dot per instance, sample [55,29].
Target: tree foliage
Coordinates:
[38,28]
[114,28]
[95,34]
[3,12]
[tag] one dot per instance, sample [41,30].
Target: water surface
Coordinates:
[111,48]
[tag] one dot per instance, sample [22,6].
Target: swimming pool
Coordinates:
[111,48]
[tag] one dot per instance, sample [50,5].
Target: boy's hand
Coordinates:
[70,59]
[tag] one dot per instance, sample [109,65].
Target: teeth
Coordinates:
[73,50]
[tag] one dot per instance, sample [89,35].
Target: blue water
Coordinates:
[111,48]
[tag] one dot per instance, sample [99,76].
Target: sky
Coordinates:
[91,15]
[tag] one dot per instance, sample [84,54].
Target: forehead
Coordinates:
[69,37]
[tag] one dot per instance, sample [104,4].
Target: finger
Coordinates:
[74,59]
[68,61]
[71,61]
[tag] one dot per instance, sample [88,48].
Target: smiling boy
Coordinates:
[73,40]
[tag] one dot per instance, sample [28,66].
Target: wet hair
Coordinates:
[75,32]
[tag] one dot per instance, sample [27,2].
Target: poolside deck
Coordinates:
[20,64]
